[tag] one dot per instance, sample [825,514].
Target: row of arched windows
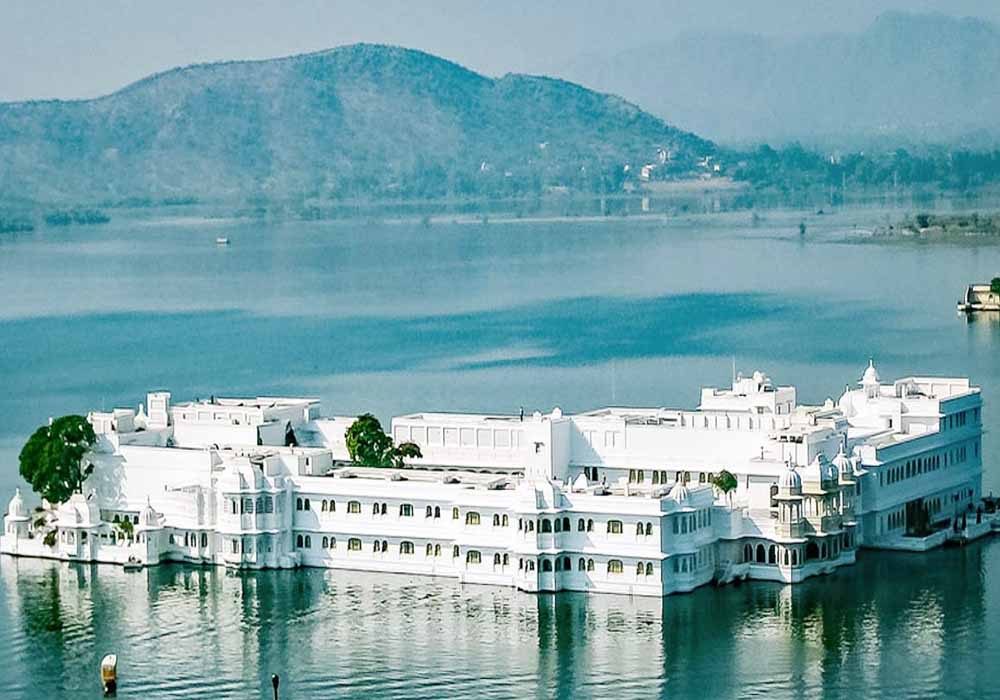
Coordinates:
[547,525]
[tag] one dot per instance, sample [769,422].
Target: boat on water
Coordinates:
[132,564]
[109,674]
[222,240]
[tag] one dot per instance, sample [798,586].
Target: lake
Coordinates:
[397,317]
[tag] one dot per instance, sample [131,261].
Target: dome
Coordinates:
[871,374]
[846,404]
[814,472]
[679,492]
[16,509]
[843,464]
[149,518]
[790,482]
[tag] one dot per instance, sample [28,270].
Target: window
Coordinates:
[260,504]
[354,544]
[559,564]
[545,525]
[472,518]
[405,547]
[473,557]
[307,505]
[506,559]
[298,504]
[454,551]
[649,529]
[639,569]
[590,565]
[437,511]
[430,549]
[567,564]
[581,525]
[429,512]
[376,546]
[309,543]
[615,528]
[581,565]
[558,525]
[496,559]
[323,506]
[615,566]
[269,505]
[565,523]
[454,513]
[546,565]
[504,521]
[326,543]
[333,543]
[354,506]
[437,550]
[649,569]
[496,520]
[374,508]
[406,510]
[299,542]
[204,539]
[590,525]
[384,509]
[639,529]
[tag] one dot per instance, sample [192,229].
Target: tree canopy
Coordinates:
[724,481]
[995,285]
[369,446]
[51,459]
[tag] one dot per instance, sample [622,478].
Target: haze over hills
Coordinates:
[907,78]
[360,120]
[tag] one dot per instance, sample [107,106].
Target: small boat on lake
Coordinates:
[222,240]
[109,674]
[132,565]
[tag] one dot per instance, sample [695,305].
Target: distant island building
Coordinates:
[615,500]
[980,297]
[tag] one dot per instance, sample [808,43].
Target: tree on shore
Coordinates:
[369,446]
[995,285]
[51,459]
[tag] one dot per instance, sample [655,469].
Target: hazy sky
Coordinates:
[82,49]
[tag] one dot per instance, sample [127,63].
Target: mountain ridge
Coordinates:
[357,120]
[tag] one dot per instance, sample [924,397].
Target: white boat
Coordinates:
[109,673]
[222,240]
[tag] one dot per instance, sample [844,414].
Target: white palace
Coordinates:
[616,500]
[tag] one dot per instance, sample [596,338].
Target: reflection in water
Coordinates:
[892,624]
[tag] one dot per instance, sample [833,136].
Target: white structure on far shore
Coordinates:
[616,500]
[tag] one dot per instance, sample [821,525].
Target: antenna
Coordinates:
[734,370]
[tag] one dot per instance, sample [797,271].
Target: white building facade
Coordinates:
[618,500]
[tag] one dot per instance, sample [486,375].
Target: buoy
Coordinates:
[109,674]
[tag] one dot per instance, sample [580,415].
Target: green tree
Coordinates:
[369,446]
[126,527]
[725,482]
[995,285]
[51,459]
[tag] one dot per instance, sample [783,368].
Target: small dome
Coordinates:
[149,518]
[871,374]
[790,482]
[16,508]
[843,464]
[679,492]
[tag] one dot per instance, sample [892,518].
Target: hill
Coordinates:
[361,120]
[907,78]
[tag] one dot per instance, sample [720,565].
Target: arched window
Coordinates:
[639,529]
[376,546]
[506,559]
[405,547]
[429,512]
[795,558]
[761,554]
[354,544]
[437,511]
[298,504]
[309,543]
[496,520]
[531,526]
[116,518]
[405,510]
[639,568]
[454,513]
[649,569]
[354,506]
[566,527]
[786,557]
[260,504]
[772,555]
[333,543]
[615,566]
[326,543]
[531,565]
[430,549]
[545,525]
[204,539]
[374,508]
[812,551]
[496,559]
[473,557]
[567,564]
[546,565]
[384,509]
[437,550]
[322,507]
[590,565]
[748,552]
[299,541]
[504,521]
[472,518]
[558,563]
[581,525]
[307,506]
[649,529]
[454,551]
[614,527]
[590,525]
[558,525]
[581,565]
[269,504]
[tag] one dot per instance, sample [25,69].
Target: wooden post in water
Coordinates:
[274,684]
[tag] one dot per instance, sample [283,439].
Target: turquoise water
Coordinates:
[398,317]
